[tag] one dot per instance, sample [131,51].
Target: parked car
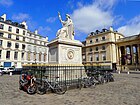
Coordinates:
[8,69]
[1,71]
[17,71]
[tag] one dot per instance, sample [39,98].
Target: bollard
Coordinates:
[128,72]
[10,73]
[119,72]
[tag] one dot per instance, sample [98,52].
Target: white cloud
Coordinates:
[51,19]
[44,30]
[132,27]
[95,16]
[6,2]
[20,17]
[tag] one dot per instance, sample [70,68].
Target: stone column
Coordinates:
[139,53]
[132,55]
[138,49]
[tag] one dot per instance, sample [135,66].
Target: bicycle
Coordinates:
[44,85]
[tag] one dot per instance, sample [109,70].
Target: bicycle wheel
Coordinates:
[60,89]
[31,89]
[92,81]
[87,83]
[41,88]
[101,79]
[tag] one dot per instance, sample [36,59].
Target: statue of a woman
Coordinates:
[67,31]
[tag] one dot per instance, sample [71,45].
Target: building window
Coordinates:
[8,55]
[84,57]
[35,57]
[104,56]
[17,37]
[9,44]
[1,26]
[90,49]
[28,57]
[103,38]
[1,34]
[0,53]
[35,48]
[45,57]
[90,41]
[23,32]
[22,55]
[1,42]
[23,38]
[17,31]
[96,48]
[119,37]
[39,57]
[91,58]
[9,36]
[97,57]
[97,40]
[10,28]
[23,46]
[103,47]
[16,45]
[16,55]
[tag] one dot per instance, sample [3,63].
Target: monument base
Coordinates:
[65,51]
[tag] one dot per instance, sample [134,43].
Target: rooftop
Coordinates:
[12,23]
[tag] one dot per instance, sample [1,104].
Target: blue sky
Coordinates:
[87,15]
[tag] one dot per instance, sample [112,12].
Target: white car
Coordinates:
[8,69]
[1,71]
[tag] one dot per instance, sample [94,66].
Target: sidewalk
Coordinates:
[130,72]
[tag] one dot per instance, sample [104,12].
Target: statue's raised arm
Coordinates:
[59,17]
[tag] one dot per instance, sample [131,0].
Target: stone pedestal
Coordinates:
[65,51]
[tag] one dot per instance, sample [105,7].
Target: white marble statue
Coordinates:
[67,31]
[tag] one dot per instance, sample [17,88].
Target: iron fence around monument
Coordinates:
[70,75]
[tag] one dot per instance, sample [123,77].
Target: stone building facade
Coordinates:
[128,53]
[20,46]
[100,48]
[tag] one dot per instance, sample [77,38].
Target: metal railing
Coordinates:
[70,75]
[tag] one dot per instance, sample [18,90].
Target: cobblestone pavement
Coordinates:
[124,91]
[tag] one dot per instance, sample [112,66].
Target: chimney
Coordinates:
[25,24]
[111,28]
[4,17]
[47,38]
[36,32]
